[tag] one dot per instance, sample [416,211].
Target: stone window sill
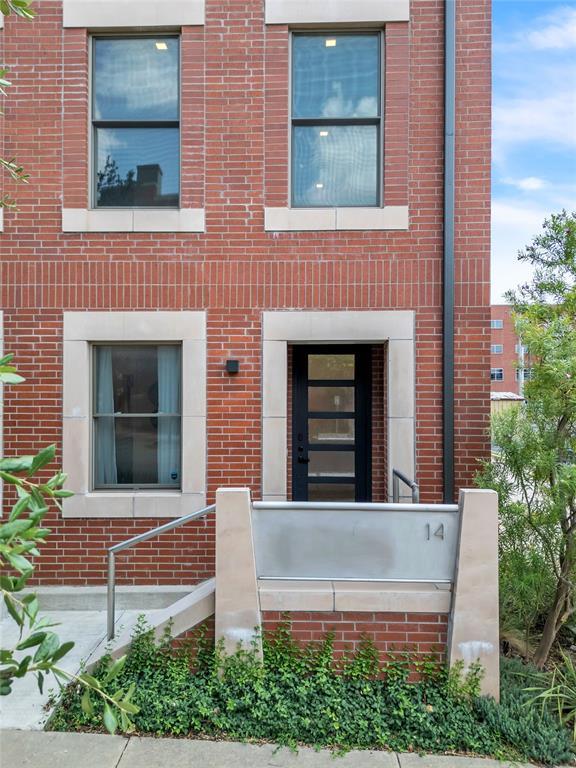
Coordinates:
[391,217]
[132,504]
[133,220]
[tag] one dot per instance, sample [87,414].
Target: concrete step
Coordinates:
[184,614]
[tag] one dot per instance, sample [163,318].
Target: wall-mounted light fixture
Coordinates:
[232,366]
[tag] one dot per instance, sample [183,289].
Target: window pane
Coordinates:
[136,79]
[336,76]
[331,366]
[335,165]
[137,379]
[331,492]
[331,430]
[137,451]
[330,398]
[137,166]
[331,464]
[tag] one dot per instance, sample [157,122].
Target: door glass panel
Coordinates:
[331,366]
[331,464]
[330,398]
[331,430]
[331,492]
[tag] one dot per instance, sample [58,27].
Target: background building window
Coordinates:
[137,416]
[496,349]
[527,374]
[135,118]
[336,119]
[497,374]
[496,323]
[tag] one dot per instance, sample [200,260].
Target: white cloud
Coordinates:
[514,225]
[556,31]
[528,184]
[550,119]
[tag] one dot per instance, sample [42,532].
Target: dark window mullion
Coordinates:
[136,123]
[335,121]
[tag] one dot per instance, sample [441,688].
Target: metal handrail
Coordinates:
[398,476]
[112,551]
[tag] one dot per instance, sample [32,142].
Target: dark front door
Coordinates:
[331,435]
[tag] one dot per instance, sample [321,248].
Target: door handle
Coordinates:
[302,460]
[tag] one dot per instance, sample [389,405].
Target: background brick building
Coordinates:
[234,251]
[505,352]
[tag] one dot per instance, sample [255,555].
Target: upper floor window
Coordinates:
[496,349]
[526,374]
[137,416]
[136,121]
[497,374]
[336,119]
[496,323]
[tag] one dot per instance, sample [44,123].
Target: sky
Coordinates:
[534,127]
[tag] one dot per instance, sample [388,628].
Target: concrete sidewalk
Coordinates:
[35,749]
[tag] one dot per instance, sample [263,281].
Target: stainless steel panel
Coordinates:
[309,542]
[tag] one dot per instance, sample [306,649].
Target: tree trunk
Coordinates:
[561,610]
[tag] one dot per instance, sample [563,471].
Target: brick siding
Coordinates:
[234,162]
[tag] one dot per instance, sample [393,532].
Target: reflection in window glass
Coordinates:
[336,76]
[135,116]
[331,464]
[137,422]
[331,430]
[336,114]
[331,366]
[330,398]
[137,166]
[135,78]
[331,492]
[335,166]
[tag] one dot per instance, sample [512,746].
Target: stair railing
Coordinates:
[128,544]
[397,477]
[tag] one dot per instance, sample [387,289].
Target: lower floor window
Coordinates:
[137,416]
[497,374]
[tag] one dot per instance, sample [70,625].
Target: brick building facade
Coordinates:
[239,272]
[505,352]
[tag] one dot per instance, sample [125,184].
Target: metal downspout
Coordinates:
[448,282]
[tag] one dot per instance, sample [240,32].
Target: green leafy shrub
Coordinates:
[531,729]
[305,695]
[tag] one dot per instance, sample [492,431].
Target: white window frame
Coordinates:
[496,377]
[497,324]
[496,349]
[81,330]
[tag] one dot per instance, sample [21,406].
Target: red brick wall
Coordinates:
[508,360]
[234,97]
[419,633]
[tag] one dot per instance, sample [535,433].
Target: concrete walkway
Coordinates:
[32,749]
[25,708]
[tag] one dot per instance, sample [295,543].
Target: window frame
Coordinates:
[527,373]
[495,377]
[93,125]
[96,487]
[497,324]
[313,121]
[496,349]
